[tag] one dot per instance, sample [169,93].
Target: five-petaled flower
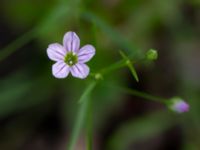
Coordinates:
[70,57]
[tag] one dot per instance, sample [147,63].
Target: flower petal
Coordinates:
[56,52]
[71,41]
[80,71]
[86,53]
[60,69]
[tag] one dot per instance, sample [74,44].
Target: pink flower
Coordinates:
[70,57]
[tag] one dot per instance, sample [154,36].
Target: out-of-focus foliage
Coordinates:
[30,95]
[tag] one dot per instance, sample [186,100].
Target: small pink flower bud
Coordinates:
[178,105]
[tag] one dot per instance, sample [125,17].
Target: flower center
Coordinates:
[71,58]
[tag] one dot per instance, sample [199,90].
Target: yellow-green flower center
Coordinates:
[71,58]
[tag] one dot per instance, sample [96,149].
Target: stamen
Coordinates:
[71,58]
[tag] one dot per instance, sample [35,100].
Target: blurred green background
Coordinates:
[37,111]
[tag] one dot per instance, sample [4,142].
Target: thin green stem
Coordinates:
[139,94]
[117,65]
[89,127]
[113,67]
[109,69]
[84,99]
[87,91]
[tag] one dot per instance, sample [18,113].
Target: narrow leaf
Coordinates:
[130,66]
[115,36]
[87,92]
[84,99]
[17,44]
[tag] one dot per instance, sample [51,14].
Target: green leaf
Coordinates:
[130,65]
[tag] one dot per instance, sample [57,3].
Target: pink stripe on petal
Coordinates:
[56,52]
[71,41]
[60,70]
[86,53]
[80,71]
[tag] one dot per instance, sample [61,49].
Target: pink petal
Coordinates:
[56,52]
[71,41]
[80,70]
[60,70]
[181,107]
[86,53]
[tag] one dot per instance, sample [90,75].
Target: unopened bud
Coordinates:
[178,105]
[152,54]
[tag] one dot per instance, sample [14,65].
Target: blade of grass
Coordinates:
[16,44]
[115,36]
[49,22]
[44,26]
[28,36]
[87,91]
[84,99]
[89,127]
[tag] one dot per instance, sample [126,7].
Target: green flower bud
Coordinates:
[98,76]
[152,54]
